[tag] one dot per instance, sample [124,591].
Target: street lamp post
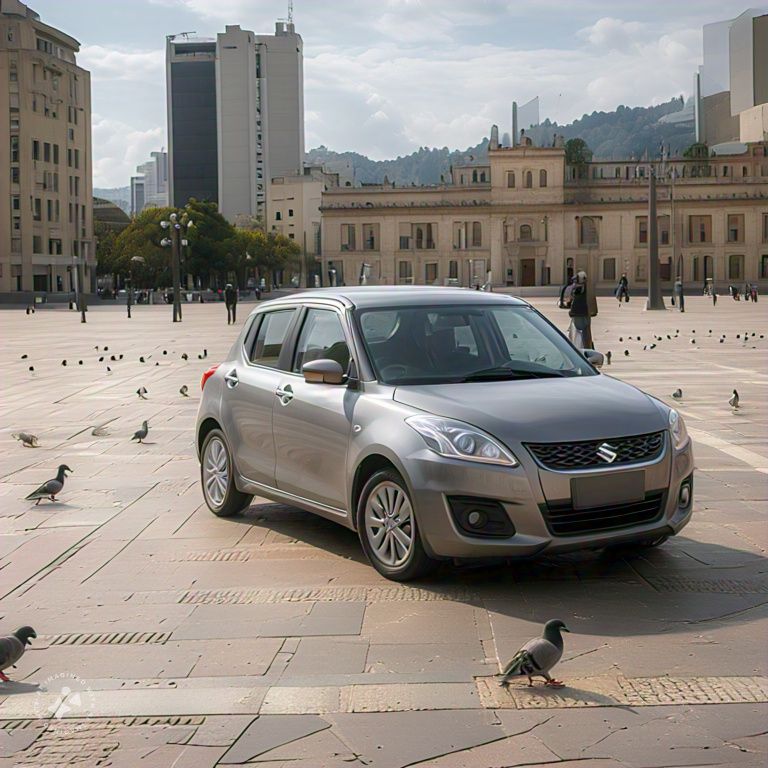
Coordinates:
[176,224]
[134,260]
[655,299]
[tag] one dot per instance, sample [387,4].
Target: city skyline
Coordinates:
[403,74]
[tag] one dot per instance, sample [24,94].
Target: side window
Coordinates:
[270,337]
[322,337]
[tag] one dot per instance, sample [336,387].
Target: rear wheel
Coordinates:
[387,528]
[217,477]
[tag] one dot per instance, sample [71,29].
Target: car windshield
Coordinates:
[459,344]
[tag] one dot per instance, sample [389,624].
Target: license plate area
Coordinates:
[606,490]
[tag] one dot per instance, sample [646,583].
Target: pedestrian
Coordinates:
[754,292]
[714,297]
[230,299]
[565,294]
[583,309]
[622,289]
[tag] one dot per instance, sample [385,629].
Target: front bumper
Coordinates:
[525,492]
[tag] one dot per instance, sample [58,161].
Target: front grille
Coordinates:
[563,520]
[629,450]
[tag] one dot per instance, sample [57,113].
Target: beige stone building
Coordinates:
[530,220]
[46,226]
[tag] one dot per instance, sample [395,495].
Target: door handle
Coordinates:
[231,378]
[284,394]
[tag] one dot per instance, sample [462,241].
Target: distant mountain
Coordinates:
[120,196]
[627,132]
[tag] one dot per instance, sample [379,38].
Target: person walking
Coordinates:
[583,309]
[622,289]
[230,299]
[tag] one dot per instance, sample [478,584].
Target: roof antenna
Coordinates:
[290,11]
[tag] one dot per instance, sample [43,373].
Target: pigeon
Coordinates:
[112,358]
[142,392]
[120,357]
[141,433]
[205,351]
[101,359]
[63,362]
[626,353]
[184,390]
[608,357]
[621,338]
[678,394]
[31,368]
[142,360]
[106,349]
[653,346]
[79,362]
[537,657]
[12,649]
[693,341]
[184,356]
[165,351]
[50,488]
[734,401]
[156,363]
[27,440]
[109,370]
[24,357]
[101,431]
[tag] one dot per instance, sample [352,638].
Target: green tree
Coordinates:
[142,238]
[577,152]
[209,256]
[105,248]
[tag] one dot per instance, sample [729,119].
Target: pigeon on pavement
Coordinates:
[678,394]
[184,356]
[537,657]
[608,356]
[140,434]
[184,390]
[142,392]
[734,401]
[12,649]
[26,439]
[50,488]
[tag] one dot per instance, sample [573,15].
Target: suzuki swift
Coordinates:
[439,423]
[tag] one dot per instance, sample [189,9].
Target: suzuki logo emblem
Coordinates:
[607,453]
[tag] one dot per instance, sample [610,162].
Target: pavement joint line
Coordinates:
[755,460]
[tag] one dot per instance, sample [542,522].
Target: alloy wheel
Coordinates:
[389,523]
[216,472]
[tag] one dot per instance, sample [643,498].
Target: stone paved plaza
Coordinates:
[168,637]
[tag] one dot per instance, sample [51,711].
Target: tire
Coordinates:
[217,477]
[387,552]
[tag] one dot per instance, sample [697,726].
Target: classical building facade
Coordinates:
[46,221]
[527,219]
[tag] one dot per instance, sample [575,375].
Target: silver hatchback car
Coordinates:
[439,423]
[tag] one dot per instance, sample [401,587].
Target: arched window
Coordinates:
[526,233]
[528,180]
[474,177]
[542,178]
[587,231]
[744,170]
[419,237]
[510,179]
[477,234]
[482,176]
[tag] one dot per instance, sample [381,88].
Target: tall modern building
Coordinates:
[46,224]
[149,187]
[235,116]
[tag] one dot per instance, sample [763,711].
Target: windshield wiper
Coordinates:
[505,372]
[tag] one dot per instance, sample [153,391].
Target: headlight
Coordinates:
[457,440]
[677,428]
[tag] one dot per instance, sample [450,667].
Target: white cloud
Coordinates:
[111,64]
[118,148]
[613,34]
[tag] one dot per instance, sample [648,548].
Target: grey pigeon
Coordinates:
[734,401]
[537,657]
[184,356]
[141,359]
[12,649]
[142,392]
[27,440]
[50,488]
[184,390]
[141,434]
[678,394]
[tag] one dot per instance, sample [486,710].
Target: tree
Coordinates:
[142,238]
[577,152]
[209,256]
[105,248]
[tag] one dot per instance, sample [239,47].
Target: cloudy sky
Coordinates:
[383,77]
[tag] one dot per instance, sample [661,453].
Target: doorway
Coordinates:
[527,271]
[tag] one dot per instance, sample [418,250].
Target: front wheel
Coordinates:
[387,528]
[217,477]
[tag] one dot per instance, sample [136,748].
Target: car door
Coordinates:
[249,395]
[312,422]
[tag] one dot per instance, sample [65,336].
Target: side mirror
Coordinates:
[323,371]
[594,357]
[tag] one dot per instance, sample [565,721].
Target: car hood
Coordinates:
[542,410]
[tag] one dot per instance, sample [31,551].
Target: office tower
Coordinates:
[45,157]
[235,116]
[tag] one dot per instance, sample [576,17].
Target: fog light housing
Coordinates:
[482,518]
[685,497]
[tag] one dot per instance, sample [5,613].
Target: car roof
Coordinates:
[368,296]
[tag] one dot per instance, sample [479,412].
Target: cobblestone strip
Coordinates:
[215,556]
[715,586]
[105,638]
[321,594]
[633,692]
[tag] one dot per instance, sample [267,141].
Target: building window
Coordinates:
[419,237]
[510,179]
[49,210]
[37,244]
[526,233]
[609,269]
[764,266]
[405,272]
[77,158]
[528,180]
[54,246]
[348,237]
[483,177]
[46,152]
[588,231]
[430,273]
[735,228]
[542,178]
[37,209]
[700,229]
[765,227]
[290,213]
[642,229]
[14,149]
[477,234]
[474,177]
[370,237]
[695,268]
[15,175]
[663,224]
[278,216]
[16,202]
[453,269]
[55,154]
[422,236]
[735,267]
[35,149]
